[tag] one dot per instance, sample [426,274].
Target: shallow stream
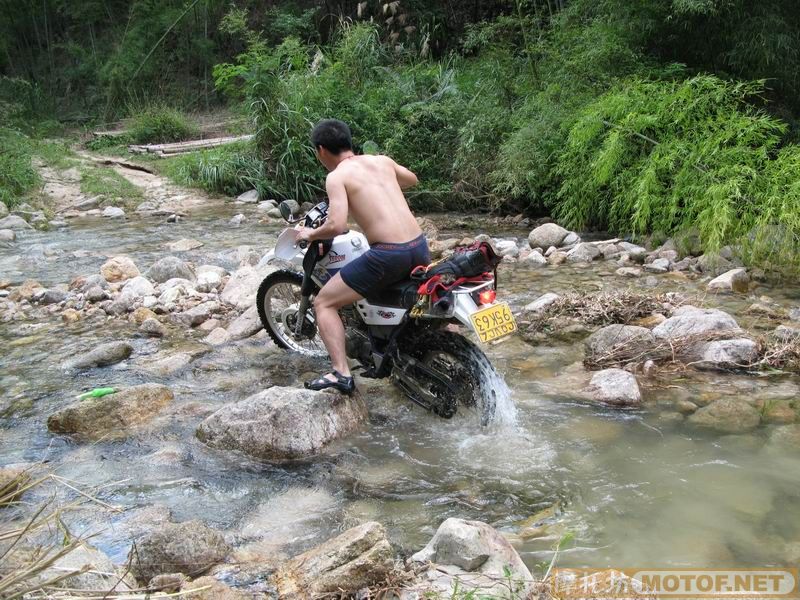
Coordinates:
[623,489]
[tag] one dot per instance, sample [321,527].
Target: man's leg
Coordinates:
[334,295]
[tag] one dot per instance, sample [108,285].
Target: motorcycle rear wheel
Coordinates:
[277,301]
[467,369]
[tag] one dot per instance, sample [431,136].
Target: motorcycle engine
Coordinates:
[358,346]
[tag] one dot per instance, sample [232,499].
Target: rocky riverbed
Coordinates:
[657,412]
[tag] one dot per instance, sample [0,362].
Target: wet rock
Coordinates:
[70,315]
[138,287]
[153,328]
[533,259]
[217,337]
[170,267]
[249,197]
[557,258]
[735,280]
[113,212]
[358,558]
[472,557]
[209,277]
[283,423]
[183,245]
[169,582]
[692,321]
[101,573]
[547,235]
[245,325]
[122,304]
[13,478]
[198,314]
[784,333]
[635,252]
[237,220]
[614,387]
[14,222]
[778,412]
[7,235]
[102,356]
[583,253]
[611,337]
[728,354]
[119,268]
[571,239]
[659,265]
[191,548]
[630,272]
[785,436]
[241,289]
[111,415]
[26,291]
[727,415]
[96,294]
[506,248]
[51,296]
[713,264]
[167,365]
[542,302]
[146,207]
[82,284]
[141,314]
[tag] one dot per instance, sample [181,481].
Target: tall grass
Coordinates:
[17,175]
[160,124]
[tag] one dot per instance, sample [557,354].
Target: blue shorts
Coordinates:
[385,264]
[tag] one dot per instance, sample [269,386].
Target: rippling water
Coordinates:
[630,488]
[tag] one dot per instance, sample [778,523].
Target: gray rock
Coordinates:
[274,213]
[191,548]
[237,220]
[14,222]
[103,355]
[96,294]
[728,354]
[88,203]
[283,423]
[245,325]
[636,252]
[615,387]
[785,437]
[198,314]
[735,280]
[83,284]
[184,245]
[153,327]
[51,296]
[506,248]
[583,253]
[146,207]
[473,557]
[122,304]
[119,268]
[727,415]
[267,205]
[138,287]
[3,210]
[713,264]
[209,278]
[571,239]
[111,416]
[784,333]
[794,314]
[217,337]
[249,197]
[611,337]
[241,289]
[358,558]
[101,575]
[533,259]
[56,224]
[168,268]
[294,206]
[542,302]
[167,364]
[659,265]
[7,235]
[113,212]
[547,235]
[691,321]
[630,272]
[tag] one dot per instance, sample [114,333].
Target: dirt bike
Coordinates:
[401,332]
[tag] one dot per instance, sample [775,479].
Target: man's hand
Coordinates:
[304,234]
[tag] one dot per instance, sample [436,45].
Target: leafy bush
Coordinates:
[160,125]
[17,175]
[228,170]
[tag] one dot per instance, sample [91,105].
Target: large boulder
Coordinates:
[583,253]
[728,354]
[358,558]
[614,387]
[735,280]
[110,416]
[727,415]
[170,267]
[101,356]
[119,268]
[690,321]
[241,289]
[471,556]
[617,337]
[190,548]
[245,325]
[14,222]
[547,235]
[282,423]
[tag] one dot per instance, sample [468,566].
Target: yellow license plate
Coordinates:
[494,322]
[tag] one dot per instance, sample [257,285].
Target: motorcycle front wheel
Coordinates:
[278,303]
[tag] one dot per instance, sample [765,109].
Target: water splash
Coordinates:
[505,412]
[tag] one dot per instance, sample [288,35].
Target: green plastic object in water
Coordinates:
[97,393]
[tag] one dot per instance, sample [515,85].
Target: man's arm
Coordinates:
[336,222]
[405,177]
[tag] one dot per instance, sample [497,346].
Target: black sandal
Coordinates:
[346,385]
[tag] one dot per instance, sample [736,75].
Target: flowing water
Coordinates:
[623,489]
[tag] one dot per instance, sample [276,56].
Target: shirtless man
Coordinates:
[371,189]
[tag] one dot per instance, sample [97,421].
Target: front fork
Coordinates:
[308,286]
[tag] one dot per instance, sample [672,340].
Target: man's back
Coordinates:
[375,197]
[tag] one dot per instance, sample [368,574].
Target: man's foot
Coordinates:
[335,380]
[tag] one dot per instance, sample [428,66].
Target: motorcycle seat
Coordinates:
[402,294]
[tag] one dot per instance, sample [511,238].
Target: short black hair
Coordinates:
[333,135]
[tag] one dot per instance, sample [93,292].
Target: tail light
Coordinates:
[487,296]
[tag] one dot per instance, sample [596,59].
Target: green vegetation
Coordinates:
[161,125]
[636,117]
[109,185]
